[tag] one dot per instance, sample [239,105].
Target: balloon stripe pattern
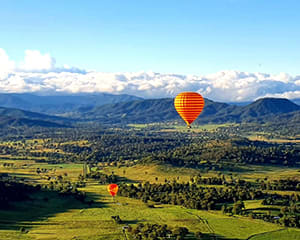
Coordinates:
[189,105]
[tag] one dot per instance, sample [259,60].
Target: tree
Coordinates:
[238,207]
[181,231]
[116,219]
[199,235]
[224,208]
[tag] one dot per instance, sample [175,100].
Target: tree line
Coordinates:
[189,195]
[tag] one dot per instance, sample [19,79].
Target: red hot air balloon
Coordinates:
[189,105]
[112,189]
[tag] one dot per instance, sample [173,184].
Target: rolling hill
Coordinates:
[17,118]
[6,122]
[59,104]
[145,111]
[158,110]
[296,100]
[264,110]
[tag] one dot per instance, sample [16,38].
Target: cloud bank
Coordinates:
[38,73]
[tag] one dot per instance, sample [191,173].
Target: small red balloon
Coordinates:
[112,189]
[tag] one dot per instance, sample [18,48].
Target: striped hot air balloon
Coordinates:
[189,105]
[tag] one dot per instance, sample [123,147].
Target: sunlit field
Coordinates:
[50,216]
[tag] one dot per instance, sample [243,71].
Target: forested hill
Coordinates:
[150,110]
[158,110]
[297,101]
[58,104]
[16,118]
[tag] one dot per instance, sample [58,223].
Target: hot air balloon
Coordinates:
[112,189]
[189,105]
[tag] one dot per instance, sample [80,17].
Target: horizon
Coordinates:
[86,94]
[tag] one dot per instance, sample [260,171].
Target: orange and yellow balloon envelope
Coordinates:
[112,189]
[189,105]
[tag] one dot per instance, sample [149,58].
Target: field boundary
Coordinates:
[257,234]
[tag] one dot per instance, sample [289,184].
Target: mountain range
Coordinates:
[158,110]
[60,104]
[124,109]
[10,117]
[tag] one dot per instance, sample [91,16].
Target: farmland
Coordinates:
[59,165]
[44,220]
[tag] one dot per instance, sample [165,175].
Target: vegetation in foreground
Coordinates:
[68,173]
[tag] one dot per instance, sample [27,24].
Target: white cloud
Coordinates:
[38,73]
[289,95]
[6,65]
[35,61]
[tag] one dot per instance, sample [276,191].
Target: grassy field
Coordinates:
[274,140]
[142,173]
[176,127]
[271,172]
[278,235]
[69,220]
[65,218]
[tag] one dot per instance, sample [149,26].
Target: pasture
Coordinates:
[50,216]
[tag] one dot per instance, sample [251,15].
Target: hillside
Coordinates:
[157,110]
[59,104]
[16,118]
[265,109]
[297,101]
[6,122]
[150,110]
[266,106]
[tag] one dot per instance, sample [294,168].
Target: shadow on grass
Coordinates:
[127,222]
[211,236]
[262,209]
[41,205]
[127,180]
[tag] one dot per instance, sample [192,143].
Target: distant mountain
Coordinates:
[297,101]
[239,103]
[266,106]
[6,122]
[158,110]
[16,118]
[150,110]
[265,109]
[60,104]
[292,118]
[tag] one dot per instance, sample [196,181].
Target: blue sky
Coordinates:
[188,37]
